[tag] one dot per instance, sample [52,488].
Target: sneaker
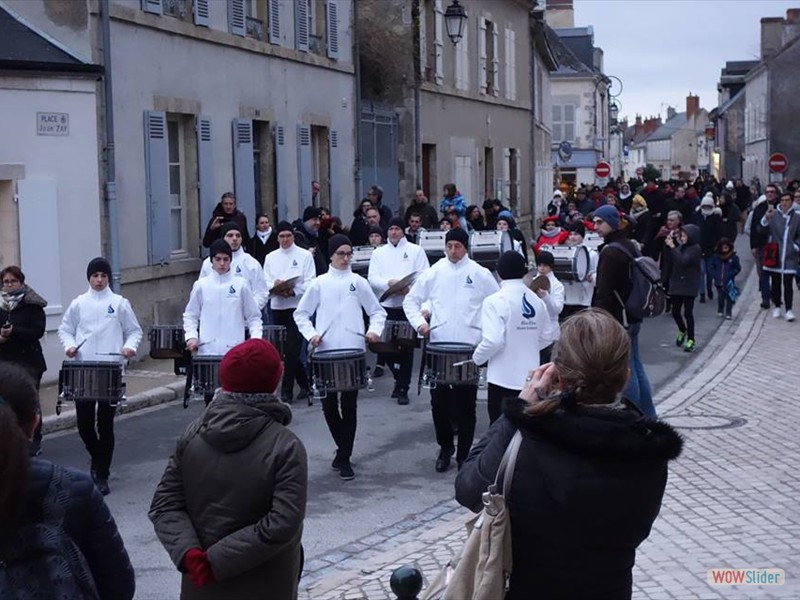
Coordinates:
[765,305]
[688,346]
[702,298]
[346,470]
[402,397]
[680,339]
[789,315]
[336,465]
[776,312]
[443,460]
[729,317]
[720,314]
[377,371]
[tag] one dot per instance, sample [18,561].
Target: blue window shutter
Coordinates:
[304,164]
[301,25]
[333,166]
[205,168]
[286,210]
[152,6]
[275,22]
[333,29]
[244,178]
[236,17]
[157,186]
[201,13]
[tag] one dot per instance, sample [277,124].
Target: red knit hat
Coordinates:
[252,367]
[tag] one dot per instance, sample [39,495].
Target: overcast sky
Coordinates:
[664,49]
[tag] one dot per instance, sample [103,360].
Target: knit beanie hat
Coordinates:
[336,241]
[376,229]
[311,212]
[609,214]
[397,222]
[578,228]
[707,202]
[546,258]
[98,265]
[252,367]
[284,226]
[511,265]
[457,235]
[220,247]
[230,226]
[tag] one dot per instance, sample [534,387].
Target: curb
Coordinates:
[152,397]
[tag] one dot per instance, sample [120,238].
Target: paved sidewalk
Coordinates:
[731,500]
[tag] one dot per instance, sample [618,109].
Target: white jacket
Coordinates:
[104,321]
[515,325]
[554,301]
[219,308]
[579,293]
[395,262]
[455,292]
[285,264]
[337,298]
[244,265]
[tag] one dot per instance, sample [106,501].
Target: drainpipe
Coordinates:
[533,29]
[111,172]
[357,108]
[415,15]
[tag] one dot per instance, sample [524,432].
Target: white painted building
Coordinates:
[756,125]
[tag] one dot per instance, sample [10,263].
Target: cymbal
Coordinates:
[397,286]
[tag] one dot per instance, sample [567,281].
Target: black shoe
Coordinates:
[765,305]
[377,371]
[346,470]
[336,465]
[102,486]
[710,294]
[402,398]
[395,392]
[443,462]
[702,298]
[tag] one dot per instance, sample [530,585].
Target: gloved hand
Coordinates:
[197,567]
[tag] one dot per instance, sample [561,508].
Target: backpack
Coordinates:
[41,561]
[647,298]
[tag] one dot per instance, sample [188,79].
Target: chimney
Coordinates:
[559,14]
[692,105]
[637,126]
[651,124]
[771,36]
[791,27]
[670,112]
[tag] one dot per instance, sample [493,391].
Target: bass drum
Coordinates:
[486,247]
[338,371]
[571,262]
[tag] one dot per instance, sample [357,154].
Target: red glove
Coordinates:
[197,567]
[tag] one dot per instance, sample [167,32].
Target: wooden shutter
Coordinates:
[285,209]
[333,166]
[333,29]
[244,178]
[236,17]
[157,186]
[152,6]
[205,171]
[304,172]
[511,64]
[200,9]
[495,62]
[507,172]
[275,22]
[482,55]
[301,25]
[438,43]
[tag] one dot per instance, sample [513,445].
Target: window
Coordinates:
[174,8]
[511,172]
[563,123]
[177,189]
[462,62]
[488,172]
[255,18]
[488,59]
[320,162]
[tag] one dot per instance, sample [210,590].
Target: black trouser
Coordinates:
[687,304]
[569,310]
[788,292]
[208,395]
[457,401]
[496,396]
[342,425]
[292,367]
[401,362]
[724,302]
[99,441]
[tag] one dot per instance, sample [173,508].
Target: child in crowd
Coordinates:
[684,281]
[724,267]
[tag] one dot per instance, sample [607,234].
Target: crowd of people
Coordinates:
[560,349]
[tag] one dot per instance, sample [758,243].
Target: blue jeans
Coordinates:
[638,390]
[705,275]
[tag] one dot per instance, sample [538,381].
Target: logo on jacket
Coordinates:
[352,287]
[469,280]
[528,312]
[110,309]
[405,255]
[238,269]
[294,263]
[232,290]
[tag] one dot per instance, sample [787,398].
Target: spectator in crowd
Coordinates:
[359,230]
[708,218]
[725,266]
[783,226]
[453,201]
[475,218]
[375,194]
[684,280]
[421,206]
[414,228]
[306,236]
[224,212]
[264,241]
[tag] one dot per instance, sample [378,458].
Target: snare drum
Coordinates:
[205,374]
[360,261]
[395,337]
[90,380]
[433,243]
[339,370]
[592,240]
[485,247]
[571,262]
[443,365]
[275,335]
[166,341]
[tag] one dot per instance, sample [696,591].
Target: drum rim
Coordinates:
[339,353]
[433,346]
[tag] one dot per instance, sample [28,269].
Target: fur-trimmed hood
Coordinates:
[600,432]
[232,420]
[717,211]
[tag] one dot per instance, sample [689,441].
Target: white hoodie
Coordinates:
[455,292]
[104,321]
[515,325]
[285,264]
[554,301]
[244,265]
[337,297]
[395,262]
[219,308]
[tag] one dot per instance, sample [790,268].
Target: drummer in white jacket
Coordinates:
[99,325]
[578,294]
[389,264]
[553,299]
[455,289]
[515,326]
[337,298]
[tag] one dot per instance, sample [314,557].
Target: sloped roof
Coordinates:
[668,129]
[720,110]
[568,63]
[23,49]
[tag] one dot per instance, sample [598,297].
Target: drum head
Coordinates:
[335,355]
[581,262]
[450,347]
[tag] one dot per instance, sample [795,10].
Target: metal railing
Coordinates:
[254,28]
[174,8]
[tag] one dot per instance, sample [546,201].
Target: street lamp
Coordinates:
[455,19]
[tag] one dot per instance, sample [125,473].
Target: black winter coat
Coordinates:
[211,235]
[587,488]
[307,242]
[684,276]
[259,249]
[614,275]
[28,324]
[710,229]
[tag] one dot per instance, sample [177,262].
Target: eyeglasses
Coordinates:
[343,254]
[10,281]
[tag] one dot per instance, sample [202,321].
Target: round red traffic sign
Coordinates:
[602,169]
[778,162]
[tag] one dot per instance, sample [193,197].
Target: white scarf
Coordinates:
[264,235]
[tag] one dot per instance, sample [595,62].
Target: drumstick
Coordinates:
[356,333]
[437,326]
[463,362]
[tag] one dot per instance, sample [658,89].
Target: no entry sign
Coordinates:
[778,163]
[603,169]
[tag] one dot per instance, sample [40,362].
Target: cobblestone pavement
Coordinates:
[731,500]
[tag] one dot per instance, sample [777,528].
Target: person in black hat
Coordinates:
[515,326]
[455,289]
[306,235]
[578,294]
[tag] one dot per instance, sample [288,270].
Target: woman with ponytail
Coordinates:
[590,473]
[45,508]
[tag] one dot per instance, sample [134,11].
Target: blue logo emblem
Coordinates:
[294,263]
[405,254]
[110,309]
[528,312]
[238,269]
[469,280]
[352,287]
[232,290]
